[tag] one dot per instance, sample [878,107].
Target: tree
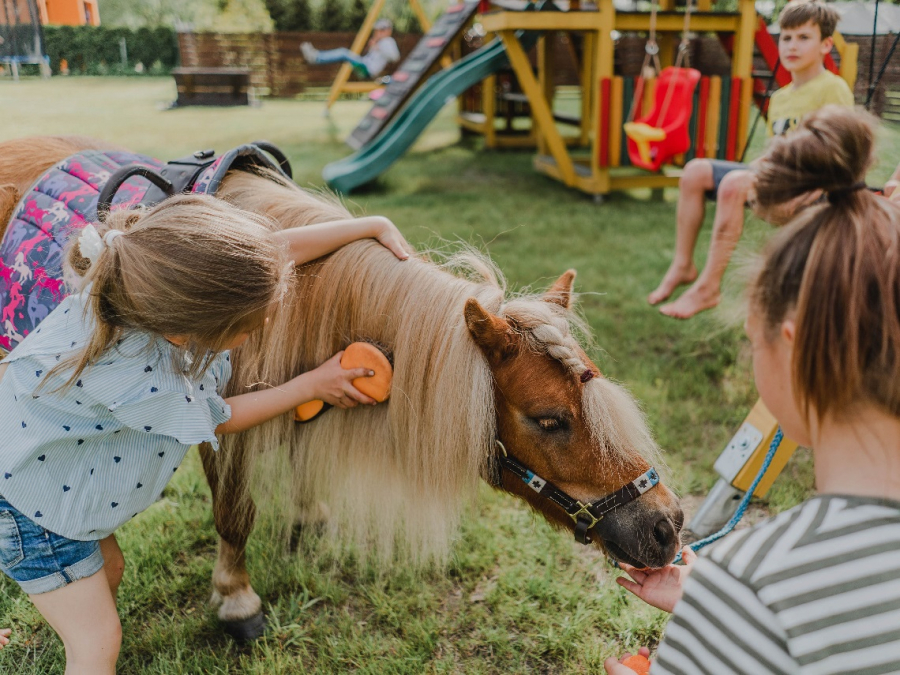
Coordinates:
[332,16]
[357,14]
[242,16]
[291,15]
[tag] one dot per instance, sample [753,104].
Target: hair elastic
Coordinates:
[110,236]
[92,245]
[835,195]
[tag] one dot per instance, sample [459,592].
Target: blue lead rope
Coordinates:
[742,507]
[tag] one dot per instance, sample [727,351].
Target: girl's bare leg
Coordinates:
[84,616]
[696,180]
[727,229]
[113,562]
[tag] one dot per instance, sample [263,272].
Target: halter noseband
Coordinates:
[586,516]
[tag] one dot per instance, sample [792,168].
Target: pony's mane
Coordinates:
[394,476]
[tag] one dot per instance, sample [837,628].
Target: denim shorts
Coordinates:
[39,560]
[720,169]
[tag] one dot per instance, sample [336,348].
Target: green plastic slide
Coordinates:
[373,159]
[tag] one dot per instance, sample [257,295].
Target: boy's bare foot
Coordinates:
[695,300]
[4,636]
[675,277]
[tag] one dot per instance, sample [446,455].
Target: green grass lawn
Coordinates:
[515,596]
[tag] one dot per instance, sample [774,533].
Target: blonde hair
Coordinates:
[193,266]
[837,264]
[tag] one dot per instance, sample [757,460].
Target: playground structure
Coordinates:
[21,37]
[595,158]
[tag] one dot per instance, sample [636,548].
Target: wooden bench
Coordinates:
[212,86]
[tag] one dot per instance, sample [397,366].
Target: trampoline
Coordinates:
[21,36]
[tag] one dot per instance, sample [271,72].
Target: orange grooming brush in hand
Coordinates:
[638,664]
[357,355]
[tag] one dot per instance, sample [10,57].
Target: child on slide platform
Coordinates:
[805,40]
[103,399]
[381,51]
[815,589]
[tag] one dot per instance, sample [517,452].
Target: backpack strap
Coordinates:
[245,158]
[199,173]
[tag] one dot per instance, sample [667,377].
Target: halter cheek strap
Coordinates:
[586,516]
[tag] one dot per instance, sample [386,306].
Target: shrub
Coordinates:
[95,50]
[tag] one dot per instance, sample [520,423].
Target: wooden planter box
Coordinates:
[212,86]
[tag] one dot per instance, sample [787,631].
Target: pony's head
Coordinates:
[571,433]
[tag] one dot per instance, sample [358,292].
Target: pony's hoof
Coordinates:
[246,630]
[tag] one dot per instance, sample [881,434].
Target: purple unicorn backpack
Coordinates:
[82,189]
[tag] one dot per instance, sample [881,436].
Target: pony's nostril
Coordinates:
[664,532]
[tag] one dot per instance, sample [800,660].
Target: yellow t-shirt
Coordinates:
[789,105]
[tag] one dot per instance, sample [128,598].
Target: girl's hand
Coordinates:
[333,384]
[892,190]
[389,236]
[661,588]
[4,636]
[614,666]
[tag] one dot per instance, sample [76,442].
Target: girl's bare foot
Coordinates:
[695,300]
[4,636]
[676,276]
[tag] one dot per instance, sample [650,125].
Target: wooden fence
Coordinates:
[274,59]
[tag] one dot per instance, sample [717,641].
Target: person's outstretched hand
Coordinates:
[4,636]
[614,666]
[661,588]
[389,236]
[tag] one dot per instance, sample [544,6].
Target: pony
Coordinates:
[483,381]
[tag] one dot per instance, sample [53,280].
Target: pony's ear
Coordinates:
[560,293]
[491,333]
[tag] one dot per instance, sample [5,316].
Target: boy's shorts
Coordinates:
[720,169]
[39,560]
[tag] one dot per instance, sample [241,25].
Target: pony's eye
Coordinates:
[548,423]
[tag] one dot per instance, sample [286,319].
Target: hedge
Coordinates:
[94,50]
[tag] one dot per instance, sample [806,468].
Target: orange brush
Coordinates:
[638,664]
[357,355]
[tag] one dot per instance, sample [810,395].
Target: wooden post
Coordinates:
[588,44]
[604,50]
[543,116]
[742,67]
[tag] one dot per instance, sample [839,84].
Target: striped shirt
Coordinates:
[814,590]
[81,461]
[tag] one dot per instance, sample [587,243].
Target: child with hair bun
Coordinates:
[815,589]
[103,399]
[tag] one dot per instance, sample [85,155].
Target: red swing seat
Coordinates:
[659,136]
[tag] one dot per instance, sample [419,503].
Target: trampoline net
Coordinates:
[21,39]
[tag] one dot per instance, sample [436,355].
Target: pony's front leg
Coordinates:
[240,608]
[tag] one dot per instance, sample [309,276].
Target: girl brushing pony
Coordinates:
[102,401]
[815,589]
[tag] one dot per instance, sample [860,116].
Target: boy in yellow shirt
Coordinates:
[806,38]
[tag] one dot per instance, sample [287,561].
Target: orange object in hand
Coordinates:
[639,664]
[357,355]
